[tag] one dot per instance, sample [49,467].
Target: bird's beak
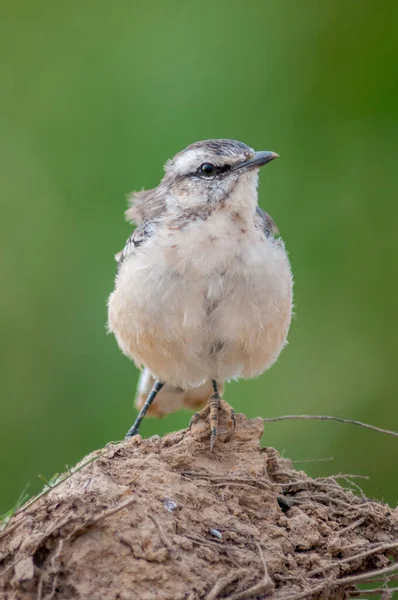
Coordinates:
[259,159]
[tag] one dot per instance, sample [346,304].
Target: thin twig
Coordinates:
[223,582]
[378,573]
[223,548]
[353,485]
[57,555]
[353,525]
[40,588]
[266,574]
[307,593]
[226,479]
[124,540]
[251,592]
[306,482]
[62,479]
[312,460]
[350,580]
[12,565]
[209,543]
[10,529]
[337,563]
[329,418]
[266,583]
[344,476]
[376,591]
[53,588]
[111,511]
[235,484]
[162,535]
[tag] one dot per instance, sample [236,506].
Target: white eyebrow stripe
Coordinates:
[189,161]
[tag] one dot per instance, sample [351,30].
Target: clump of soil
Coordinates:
[166,518]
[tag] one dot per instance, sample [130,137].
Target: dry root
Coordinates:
[169,519]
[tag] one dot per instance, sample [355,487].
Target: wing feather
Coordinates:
[266,222]
[139,237]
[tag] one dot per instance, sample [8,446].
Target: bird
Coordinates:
[203,290]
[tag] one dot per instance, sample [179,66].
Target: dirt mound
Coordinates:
[165,518]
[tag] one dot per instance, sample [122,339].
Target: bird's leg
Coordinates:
[212,409]
[151,397]
[214,406]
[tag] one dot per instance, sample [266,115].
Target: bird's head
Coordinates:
[214,171]
[206,174]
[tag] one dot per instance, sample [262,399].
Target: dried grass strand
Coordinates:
[337,563]
[329,418]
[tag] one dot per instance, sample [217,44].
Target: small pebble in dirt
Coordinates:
[216,533]
[169,505]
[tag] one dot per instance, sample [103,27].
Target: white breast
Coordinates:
[210,300]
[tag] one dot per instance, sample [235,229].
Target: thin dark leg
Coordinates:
[151,397]
[214,404]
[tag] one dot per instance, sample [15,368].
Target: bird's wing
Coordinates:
[266,222]
[136,239]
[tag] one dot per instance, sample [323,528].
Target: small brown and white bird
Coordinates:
[203,291]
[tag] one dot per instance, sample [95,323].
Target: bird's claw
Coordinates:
[216,403]
[199,416]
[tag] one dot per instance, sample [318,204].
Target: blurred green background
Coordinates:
[95,96]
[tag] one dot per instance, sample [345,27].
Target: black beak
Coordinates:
[259,159]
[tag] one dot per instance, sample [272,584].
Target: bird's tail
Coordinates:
[171,398]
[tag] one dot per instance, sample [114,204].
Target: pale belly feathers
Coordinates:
[210,301]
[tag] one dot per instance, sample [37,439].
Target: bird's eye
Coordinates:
[208,170]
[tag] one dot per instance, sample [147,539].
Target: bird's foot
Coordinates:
[199,416]
[214,406]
